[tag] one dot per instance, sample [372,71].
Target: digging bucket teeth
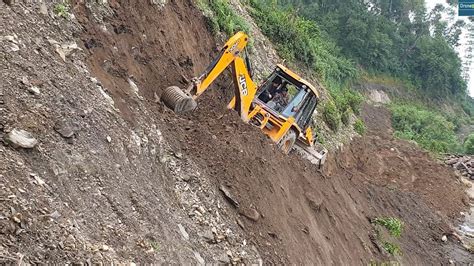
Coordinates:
[178,100]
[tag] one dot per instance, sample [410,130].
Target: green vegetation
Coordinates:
[359,127]
[469,144]
[396,38]
[393,225]
[155,246]
[61,9]
[331,115]
[392,248]
[346,102]
[300,39]
[430,130]
[221,17]
[346,117]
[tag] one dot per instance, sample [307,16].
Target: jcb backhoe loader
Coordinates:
[282,106]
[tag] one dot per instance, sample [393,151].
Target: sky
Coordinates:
[430,4]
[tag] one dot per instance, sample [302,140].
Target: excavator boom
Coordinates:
[244,87]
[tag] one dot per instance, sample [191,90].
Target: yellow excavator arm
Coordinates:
[244,87]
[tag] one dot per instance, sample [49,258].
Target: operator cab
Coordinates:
[288,97]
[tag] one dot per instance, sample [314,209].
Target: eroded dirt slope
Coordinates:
[102,184]
[135,182]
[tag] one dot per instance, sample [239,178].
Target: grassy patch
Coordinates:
[392,248]
[359,127]
[61,9]
[393,225]
[221,17]
[469,144]
[430,130]
[331,115]
[387,80]
[155,246]
[346,102]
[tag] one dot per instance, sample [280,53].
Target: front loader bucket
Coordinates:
[178,100]
[315,154]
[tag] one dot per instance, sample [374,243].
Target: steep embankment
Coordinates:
[103,184]
[127,180]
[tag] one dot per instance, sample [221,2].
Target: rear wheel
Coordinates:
[288,141]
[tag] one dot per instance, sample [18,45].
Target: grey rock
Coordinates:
[208,236]
[64,130]
[251,214]
[14,47]
[21,138]
[34,90]
[228,196]
[199,258]
[43,9]
[183,232]
[223,258]
[160,3]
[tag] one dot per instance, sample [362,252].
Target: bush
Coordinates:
[430,130]
[221,17]
[61,9]
[346,117]
[331,115]
[392,248]
[393,225]
[359,127]
[469,145]
[346,99]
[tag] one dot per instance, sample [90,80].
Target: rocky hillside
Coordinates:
[95,169]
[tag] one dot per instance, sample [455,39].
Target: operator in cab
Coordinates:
[281,99]
[269,93]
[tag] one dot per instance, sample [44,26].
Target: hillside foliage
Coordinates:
[429,129]
[401,38]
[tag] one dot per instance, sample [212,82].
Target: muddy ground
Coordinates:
[137,183]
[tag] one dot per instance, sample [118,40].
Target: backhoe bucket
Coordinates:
[178,100]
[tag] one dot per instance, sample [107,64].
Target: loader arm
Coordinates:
[244,87]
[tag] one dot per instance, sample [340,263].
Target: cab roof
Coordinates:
[299,79]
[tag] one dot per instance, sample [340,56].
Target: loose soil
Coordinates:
[130,192]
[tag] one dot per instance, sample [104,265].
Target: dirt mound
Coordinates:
[135,182]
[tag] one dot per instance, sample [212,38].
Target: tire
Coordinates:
[288,141]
